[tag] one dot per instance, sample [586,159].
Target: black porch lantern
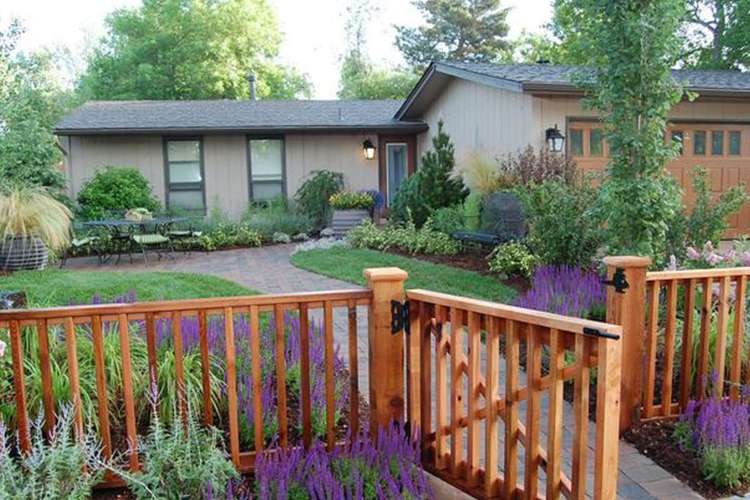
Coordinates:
[368,149]
[555,140]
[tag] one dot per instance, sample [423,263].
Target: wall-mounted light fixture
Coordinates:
[555,140]
[368,149]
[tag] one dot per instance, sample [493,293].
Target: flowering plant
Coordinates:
[711,257]
[718,429]
[388,469]
[567,290]
[348,200]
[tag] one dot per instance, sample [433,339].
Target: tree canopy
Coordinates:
[360,79]
[190,49]
[31,102]
[466,30]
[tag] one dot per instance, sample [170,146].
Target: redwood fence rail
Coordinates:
[459,376]
[683,337]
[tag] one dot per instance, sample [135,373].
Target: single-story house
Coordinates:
[200,153]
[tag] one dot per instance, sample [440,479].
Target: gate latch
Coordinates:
[399,316]
[618,281]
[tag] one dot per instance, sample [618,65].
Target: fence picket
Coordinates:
[153,377]
[651,345]
[330,382]
[127,389]
[581,412]
[97,338]
[353,369]
[687,344]
[533,411]
[441,389]
[555,413]
[721,336]
[511,409]
[19,387]
[703,343]
[491,441]
[670,330]
[258,376]
[304,329]
[179,368]
[75,383]
[205,368]
[413,366]
[457,400]
[425,360]
[738,331]
[281,375]
[46,375]
[474,360]
[234,431]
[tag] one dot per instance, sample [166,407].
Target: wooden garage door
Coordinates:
[722,149]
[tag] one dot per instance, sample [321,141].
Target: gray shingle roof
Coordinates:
[226,115]
[549,74]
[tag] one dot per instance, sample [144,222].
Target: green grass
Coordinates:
[54,287]
[347,264]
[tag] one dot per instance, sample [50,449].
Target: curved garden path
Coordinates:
[268,270]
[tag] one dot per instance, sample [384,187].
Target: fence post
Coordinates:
[386,350]
[628,309]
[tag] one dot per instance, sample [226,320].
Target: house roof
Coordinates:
[550,79]
[227,116]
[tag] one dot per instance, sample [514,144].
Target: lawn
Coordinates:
[55,287]
[347,264]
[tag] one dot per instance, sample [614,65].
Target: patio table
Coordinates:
[115,226]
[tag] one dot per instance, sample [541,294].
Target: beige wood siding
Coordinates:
[87,154]
[481,119]
[225,167]
[306,153]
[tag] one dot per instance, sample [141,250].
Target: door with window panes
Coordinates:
[723,149]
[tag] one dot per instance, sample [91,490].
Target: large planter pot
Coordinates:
[23,252]
[345,220]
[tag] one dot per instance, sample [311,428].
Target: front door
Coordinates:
[397,162]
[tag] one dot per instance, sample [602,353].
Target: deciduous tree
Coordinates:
[190,49]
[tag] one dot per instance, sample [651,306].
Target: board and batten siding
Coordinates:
[225,162]
[306,153]
[481,119]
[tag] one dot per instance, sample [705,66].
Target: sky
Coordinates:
[313,30]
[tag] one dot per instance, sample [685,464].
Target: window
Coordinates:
[266,168]
[576,142]
[596,141]
[699,142]
[678,140]
[184,165]
[735,142]
[717,142]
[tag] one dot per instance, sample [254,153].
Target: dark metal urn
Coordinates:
[23,252]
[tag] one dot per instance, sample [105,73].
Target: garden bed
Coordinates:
[656,441]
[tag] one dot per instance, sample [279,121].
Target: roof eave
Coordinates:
[412,127]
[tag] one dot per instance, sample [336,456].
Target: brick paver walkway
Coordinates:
[268,270]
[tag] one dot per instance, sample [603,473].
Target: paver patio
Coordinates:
[267,269]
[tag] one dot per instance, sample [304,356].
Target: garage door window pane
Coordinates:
[596,141]
[266,168]
[735,142]
[717,142]
[677,140]
[576,142]
[699,142]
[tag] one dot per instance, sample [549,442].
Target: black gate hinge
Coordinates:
[399,317]
[618,281]
[595,332]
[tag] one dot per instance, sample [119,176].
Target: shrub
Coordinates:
[229,234]
[718,429]
[61,467]
[433,186]
[405,237]
[707,222]
[268,220]
[482,176]
[388,468]
[180,461]
[530,166]
[32,211]
[512,259]
[564,227]
[312,196]
[448,220]
[115,188]
[345,200]
[566,290]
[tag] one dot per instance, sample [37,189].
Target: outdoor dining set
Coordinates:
[132,233]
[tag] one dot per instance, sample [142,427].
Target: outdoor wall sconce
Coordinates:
[555,140]
[368,149]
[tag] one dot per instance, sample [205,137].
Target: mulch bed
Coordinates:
[654,440]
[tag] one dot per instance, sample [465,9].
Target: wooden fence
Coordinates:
[466,369]
[460,392]
[683,337]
